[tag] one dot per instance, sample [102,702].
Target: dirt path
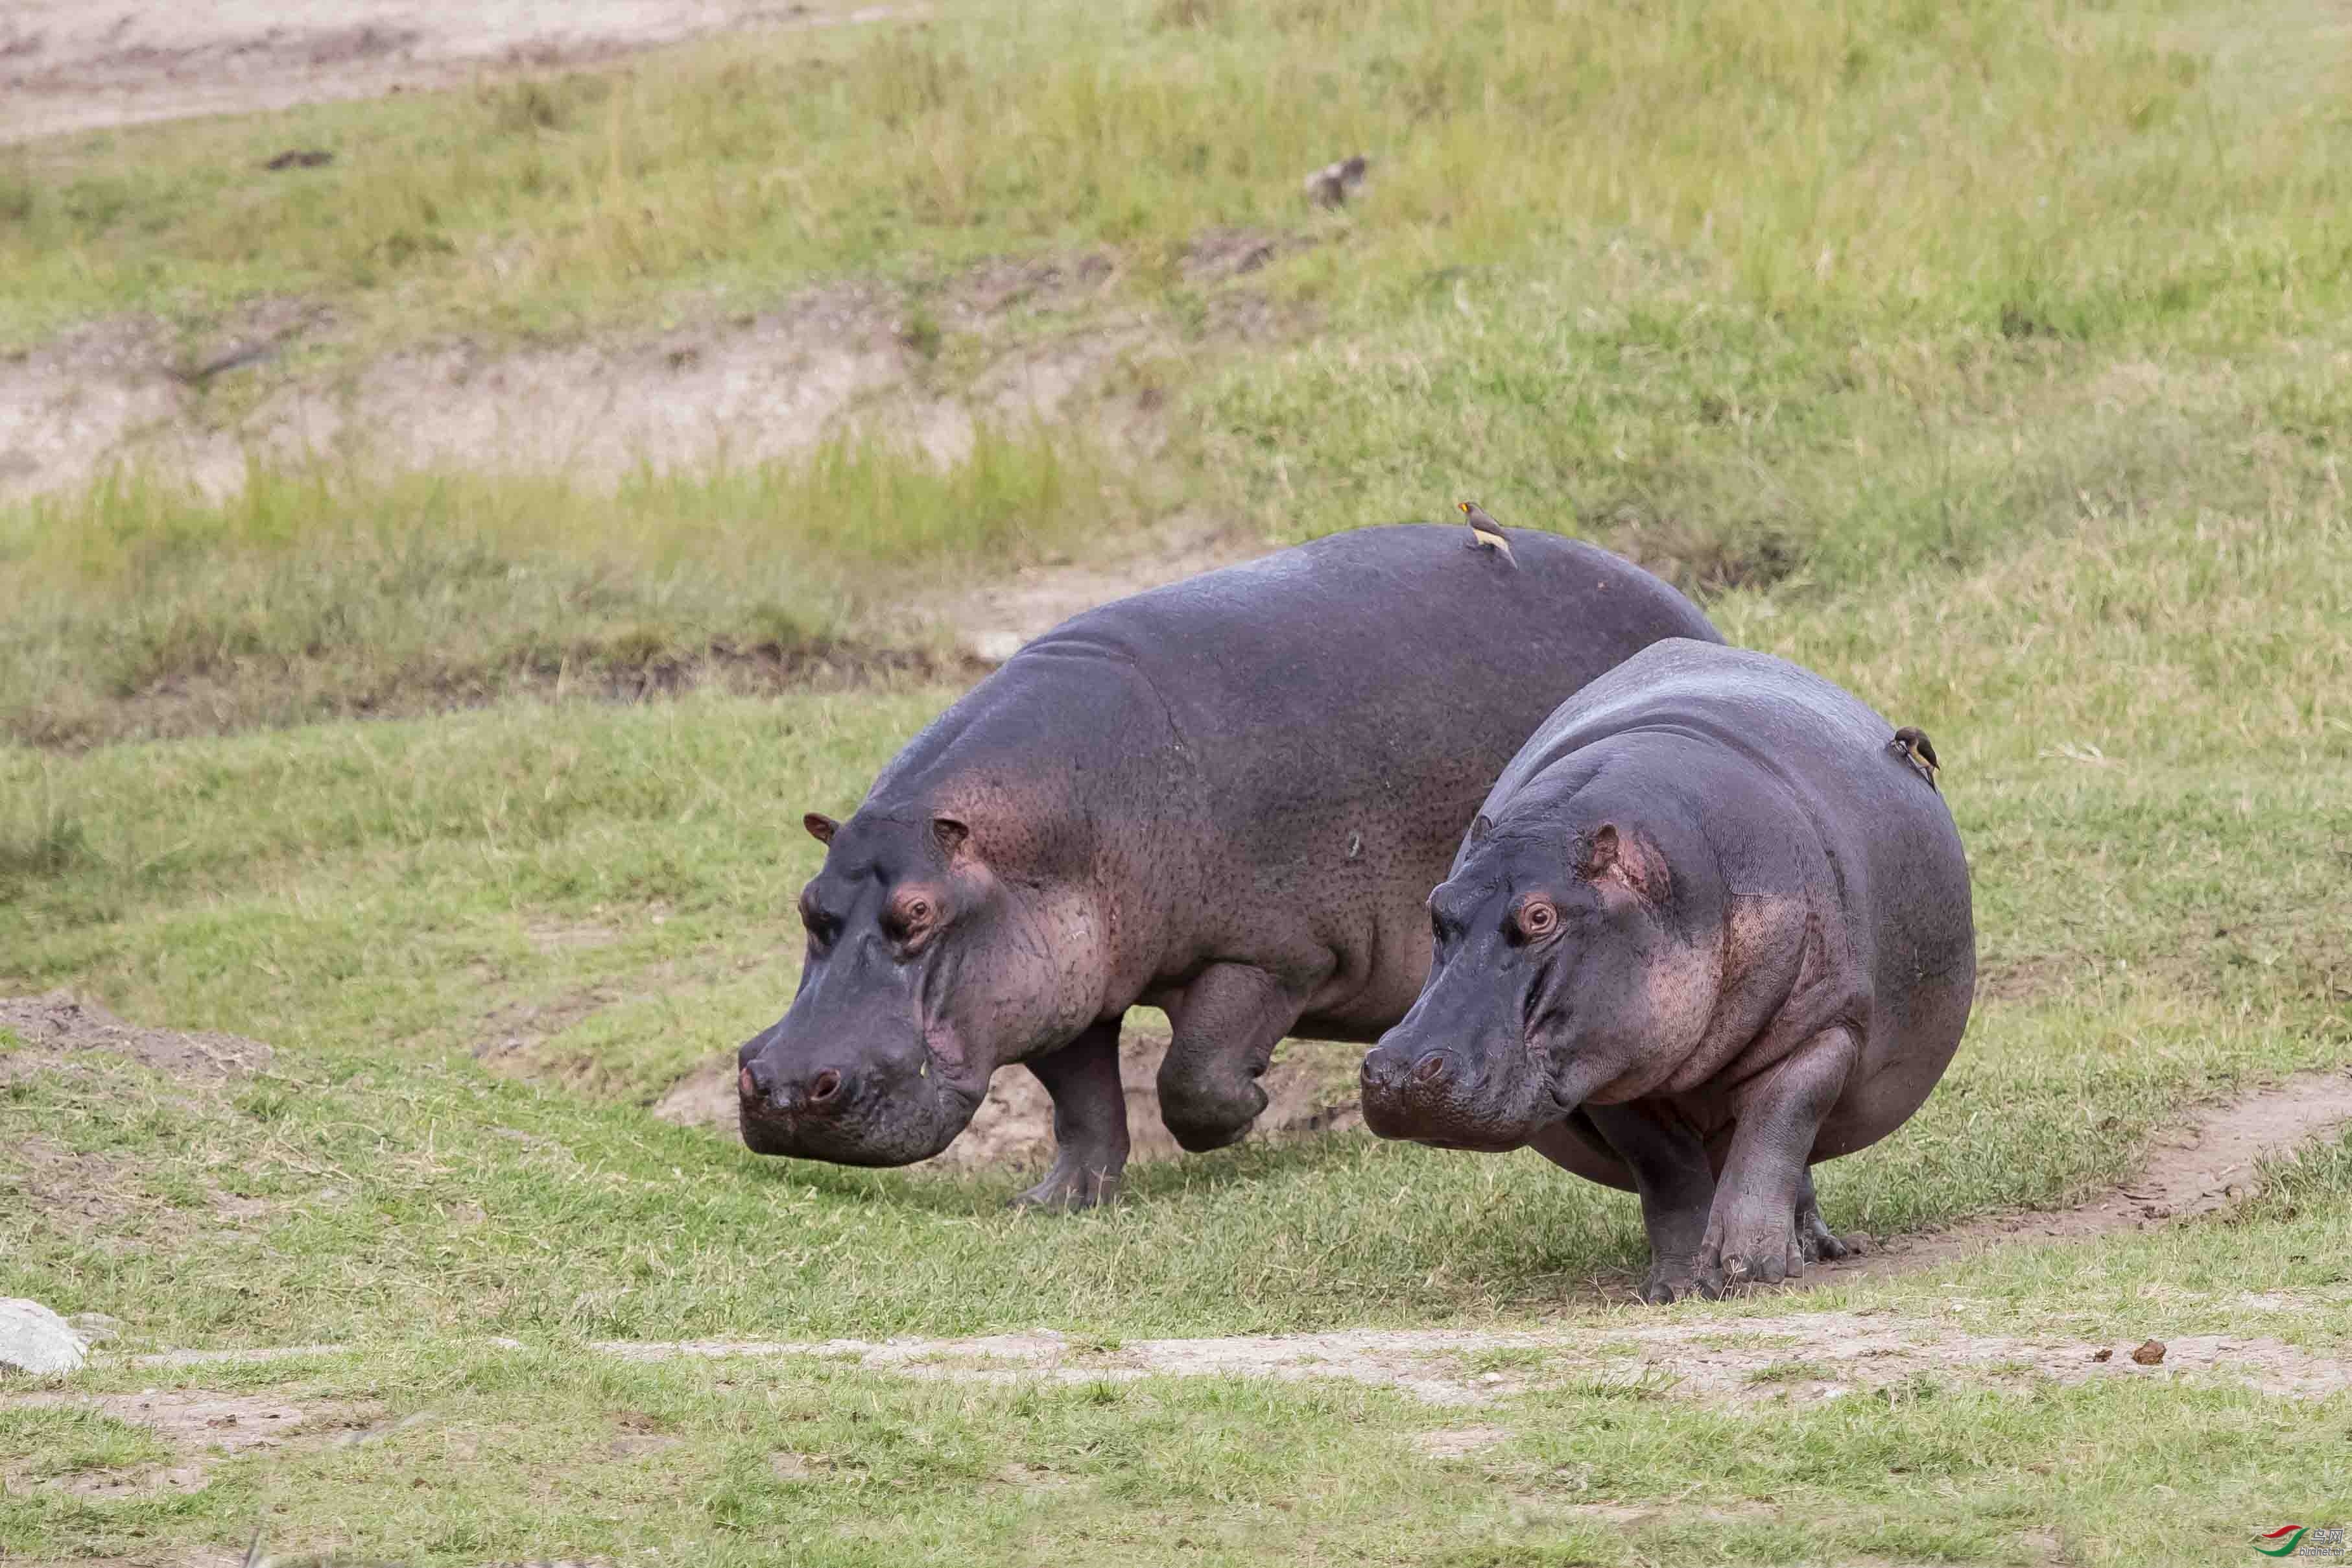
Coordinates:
[80,65]
[2193,1169]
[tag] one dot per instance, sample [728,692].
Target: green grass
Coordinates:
[877,1472]
[141,608]
[1801,294]
[1986,356]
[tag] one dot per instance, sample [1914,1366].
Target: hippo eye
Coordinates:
[908,920]
[1538,918]
[819,925]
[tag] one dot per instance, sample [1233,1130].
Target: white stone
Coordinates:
[34,1339]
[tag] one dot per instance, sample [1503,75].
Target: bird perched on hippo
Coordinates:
[1226,798]
[1711,926]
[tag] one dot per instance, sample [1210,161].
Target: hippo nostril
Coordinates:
[744,1086]
[823,1087]
[1429,1068]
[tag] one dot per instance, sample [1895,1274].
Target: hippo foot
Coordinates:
[1816,1242]
[1069,1187]
[1668,1285]
[1200,1123]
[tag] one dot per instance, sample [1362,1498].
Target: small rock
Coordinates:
[1333,183]
[2150,1354]
[34,1339]
[2105,1352]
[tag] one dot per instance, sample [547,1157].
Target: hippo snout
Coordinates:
[832,1099]
[773,1093]
[1409,1092]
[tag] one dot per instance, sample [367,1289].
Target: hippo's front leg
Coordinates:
[1226,1025]
[1752,1235]
[1671,1172]
[1090,1123]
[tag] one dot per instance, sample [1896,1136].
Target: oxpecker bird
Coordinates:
[1914,747]
[1486,533]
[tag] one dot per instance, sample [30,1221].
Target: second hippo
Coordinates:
[1225,797]
[1711,926]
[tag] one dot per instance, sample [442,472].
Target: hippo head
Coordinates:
[1561,975]
[925,970]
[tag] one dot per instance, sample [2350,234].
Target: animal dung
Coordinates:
[2105,1352]
[2150,1354]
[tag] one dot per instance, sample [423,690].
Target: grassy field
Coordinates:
[1986,356]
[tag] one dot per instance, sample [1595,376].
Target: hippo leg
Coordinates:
[1090,1123]
[1226,1026]
[1752,1233]
[1677,1187]
[1816,1241]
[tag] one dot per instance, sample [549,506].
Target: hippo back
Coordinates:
[1893,845]
[1349,701]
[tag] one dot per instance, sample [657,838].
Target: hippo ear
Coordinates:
[949,833]
[820,827]
[1629,858]
[1481,826]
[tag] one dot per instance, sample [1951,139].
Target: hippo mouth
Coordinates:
[851,1128]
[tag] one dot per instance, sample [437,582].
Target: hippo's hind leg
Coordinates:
[1816,1242]
[1090,1123]
[1753,1231]
[1671,1172]
[1226,1025]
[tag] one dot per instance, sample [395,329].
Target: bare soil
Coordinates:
[83,65]
[56,1028]
[733,392]
[201,1426]
[2194,1168]
[1801,1357]
[1312,1088]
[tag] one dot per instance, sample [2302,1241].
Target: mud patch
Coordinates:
[57,1028]
[1310,1089]
[2192,1171]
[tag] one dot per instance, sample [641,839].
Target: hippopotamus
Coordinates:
[1225,798]
[1711,927]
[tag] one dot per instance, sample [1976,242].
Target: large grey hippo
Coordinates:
[1712,926]
[1226,797]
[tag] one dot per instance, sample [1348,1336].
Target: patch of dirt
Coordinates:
[201,1426]
[1310,1087]
[81,1192]
[2193,1170]
[1859,1352]
[78,65]
[56,1027]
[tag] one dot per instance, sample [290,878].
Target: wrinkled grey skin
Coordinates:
[1226,798]
[1707,930]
